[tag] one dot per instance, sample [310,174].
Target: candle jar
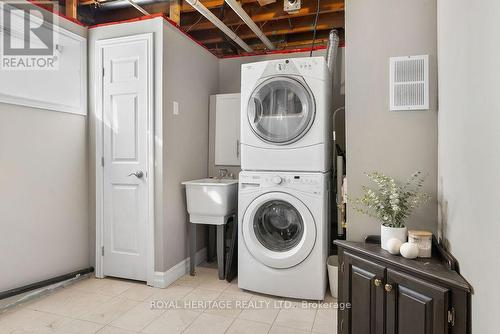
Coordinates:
[423,239]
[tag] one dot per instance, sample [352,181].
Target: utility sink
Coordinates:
[211,201]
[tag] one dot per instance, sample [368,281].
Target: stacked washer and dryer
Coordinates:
[284,186]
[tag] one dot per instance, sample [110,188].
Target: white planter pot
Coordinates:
[387,233]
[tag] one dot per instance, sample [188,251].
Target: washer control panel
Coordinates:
[300,181]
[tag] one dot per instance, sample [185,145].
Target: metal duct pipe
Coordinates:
[331,51]
[115,4]
[250,23]
[139,8]
[218,23]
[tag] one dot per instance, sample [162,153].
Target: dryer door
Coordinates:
[279,230]
[281,110]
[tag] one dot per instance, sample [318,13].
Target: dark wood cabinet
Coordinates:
[364,279]
[415,306]
[392,295]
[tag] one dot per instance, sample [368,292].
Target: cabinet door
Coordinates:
[227,129]
[363,288]
[415,306]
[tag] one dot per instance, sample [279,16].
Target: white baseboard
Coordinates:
[165,278]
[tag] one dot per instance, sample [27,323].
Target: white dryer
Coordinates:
[286,115]
[283,233]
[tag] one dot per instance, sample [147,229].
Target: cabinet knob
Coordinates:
[388,287]
[377,282]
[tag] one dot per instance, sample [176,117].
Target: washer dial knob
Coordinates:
[277,179]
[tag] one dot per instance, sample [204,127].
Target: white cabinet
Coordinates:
[227,129]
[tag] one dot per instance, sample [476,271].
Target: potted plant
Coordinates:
[391,202]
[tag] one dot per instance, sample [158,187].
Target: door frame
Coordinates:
[99,174]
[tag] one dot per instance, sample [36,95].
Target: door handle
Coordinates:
[237,148]
[139,174]
[388,287]
[377,282]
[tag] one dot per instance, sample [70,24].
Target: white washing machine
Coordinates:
[286,115]
[283,233]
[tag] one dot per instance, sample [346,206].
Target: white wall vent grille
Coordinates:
[409,83]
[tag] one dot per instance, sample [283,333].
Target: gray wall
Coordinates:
[230,82]
[396,143]
[44,220]
[190,77]
[469,155]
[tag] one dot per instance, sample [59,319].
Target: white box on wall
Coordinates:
[409,83]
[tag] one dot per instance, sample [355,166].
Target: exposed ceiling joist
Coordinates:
[258,15]
[71,9]
[284,30]
[174,12]
[162,6]
[136,6]
[217,22]
[276,28]
[251,24]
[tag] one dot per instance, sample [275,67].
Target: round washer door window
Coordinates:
[278,226]
[279,230]
[281,110]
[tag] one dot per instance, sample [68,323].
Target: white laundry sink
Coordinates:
[211,201]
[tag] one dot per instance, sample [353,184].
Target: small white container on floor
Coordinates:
[333,274]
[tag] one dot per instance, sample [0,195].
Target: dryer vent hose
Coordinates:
[331,51]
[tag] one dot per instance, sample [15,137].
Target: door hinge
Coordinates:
[102,161]
[451,316]
[102,250]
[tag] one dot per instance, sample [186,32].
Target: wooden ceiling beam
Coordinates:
[223,51]
[174,12]
[163,6]
[276,28]
[71,9]
[189,17]
[264,14]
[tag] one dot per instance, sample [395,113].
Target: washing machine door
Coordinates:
[281,110]
[279,230]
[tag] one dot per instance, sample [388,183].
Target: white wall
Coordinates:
[190,77]
[396,143]
[44,220]
[469,155]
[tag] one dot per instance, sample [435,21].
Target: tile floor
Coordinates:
[199,304]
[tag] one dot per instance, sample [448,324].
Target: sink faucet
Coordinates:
[222,173]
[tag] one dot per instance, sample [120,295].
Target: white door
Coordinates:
[125,154]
